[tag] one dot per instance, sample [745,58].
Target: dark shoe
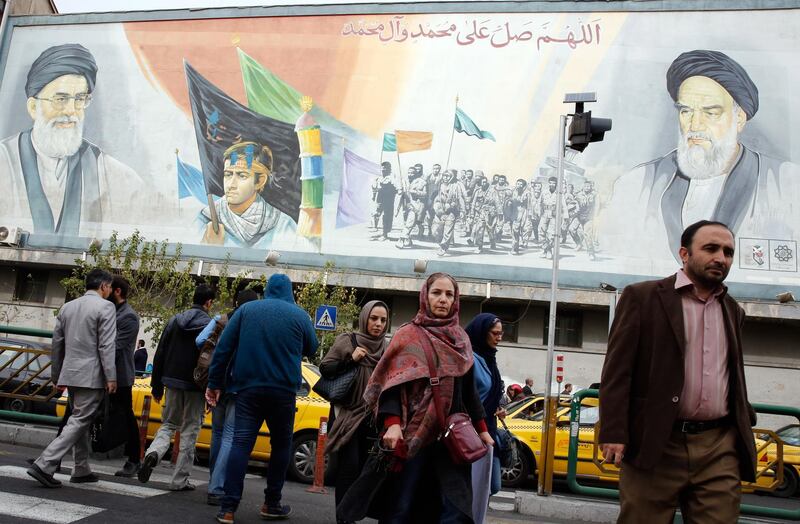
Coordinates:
[129,470]
[32,460]
[275,512]
[146,469]
[213,500]
[44,479]
[225,517]
[83,479]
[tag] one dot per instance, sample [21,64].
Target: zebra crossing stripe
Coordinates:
[103,486]
[44,510]
[109,470]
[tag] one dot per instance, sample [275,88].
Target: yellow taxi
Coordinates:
[524,420]
[789,486]
[310,407]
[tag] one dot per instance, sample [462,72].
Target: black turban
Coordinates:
[720,68]
[60,60]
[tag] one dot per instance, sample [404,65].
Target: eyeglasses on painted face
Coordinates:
[82,100]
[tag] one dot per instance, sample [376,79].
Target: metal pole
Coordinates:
[612,307]
[545,486]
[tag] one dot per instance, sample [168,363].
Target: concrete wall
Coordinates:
[772,366]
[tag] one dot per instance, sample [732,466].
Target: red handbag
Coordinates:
[458,433]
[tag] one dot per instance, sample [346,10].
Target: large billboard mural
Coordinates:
[386,137]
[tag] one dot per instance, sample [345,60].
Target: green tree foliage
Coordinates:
[316,293]
[161,282]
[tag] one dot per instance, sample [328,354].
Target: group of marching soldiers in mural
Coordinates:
[486,211]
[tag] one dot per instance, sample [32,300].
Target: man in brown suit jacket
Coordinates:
[673,398]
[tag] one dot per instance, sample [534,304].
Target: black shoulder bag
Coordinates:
[337,389]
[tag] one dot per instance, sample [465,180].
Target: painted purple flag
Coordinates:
[357,177]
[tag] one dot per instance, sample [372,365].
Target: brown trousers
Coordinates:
[698,473]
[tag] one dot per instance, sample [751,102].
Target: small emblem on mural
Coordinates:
[764,254]
[758,255]
[784,255]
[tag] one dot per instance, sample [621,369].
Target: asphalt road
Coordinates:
[118,501]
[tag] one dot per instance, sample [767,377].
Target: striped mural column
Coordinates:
[312,179]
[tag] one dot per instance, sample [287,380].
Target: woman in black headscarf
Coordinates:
[350,434]
[485,333]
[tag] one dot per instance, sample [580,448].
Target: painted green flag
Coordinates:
[464,124]
[268,95]
[389,142]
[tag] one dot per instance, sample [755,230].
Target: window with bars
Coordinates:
[31,285]
[569,328]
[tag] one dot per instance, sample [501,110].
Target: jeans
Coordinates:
[254,406]
[223,424]
[497,471]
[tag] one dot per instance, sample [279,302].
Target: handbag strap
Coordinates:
[427,348]
[354,340]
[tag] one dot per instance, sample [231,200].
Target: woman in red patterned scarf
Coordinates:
[431,488]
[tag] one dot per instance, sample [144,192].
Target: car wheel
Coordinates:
[515,475]
[16,404]
[788,487]
[304,454]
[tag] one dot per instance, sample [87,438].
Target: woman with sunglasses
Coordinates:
[485,333]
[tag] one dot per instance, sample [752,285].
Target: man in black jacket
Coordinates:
[122,400]
[174,362]
[140,359]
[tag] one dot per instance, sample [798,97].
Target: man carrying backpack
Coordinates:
[173,368]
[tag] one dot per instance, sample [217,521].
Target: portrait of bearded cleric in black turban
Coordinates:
[54,180]
[711,174]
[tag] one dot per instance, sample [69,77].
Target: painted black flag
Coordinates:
[220,122]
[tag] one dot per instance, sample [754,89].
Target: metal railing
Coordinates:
[746,509]
[22,377]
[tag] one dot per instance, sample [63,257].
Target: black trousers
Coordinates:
[351,457]
[123,401]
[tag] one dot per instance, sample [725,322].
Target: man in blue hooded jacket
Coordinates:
[263,345]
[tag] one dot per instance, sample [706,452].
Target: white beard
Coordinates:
[697,163]
[57,142]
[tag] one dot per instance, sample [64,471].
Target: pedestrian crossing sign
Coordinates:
[325,319]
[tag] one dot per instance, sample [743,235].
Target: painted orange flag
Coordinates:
[413,140]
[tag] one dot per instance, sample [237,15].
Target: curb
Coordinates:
[567,508]
[33,436]
[26,435]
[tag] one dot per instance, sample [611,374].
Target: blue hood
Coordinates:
[280,286]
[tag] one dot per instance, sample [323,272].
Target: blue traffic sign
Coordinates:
[325,319]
